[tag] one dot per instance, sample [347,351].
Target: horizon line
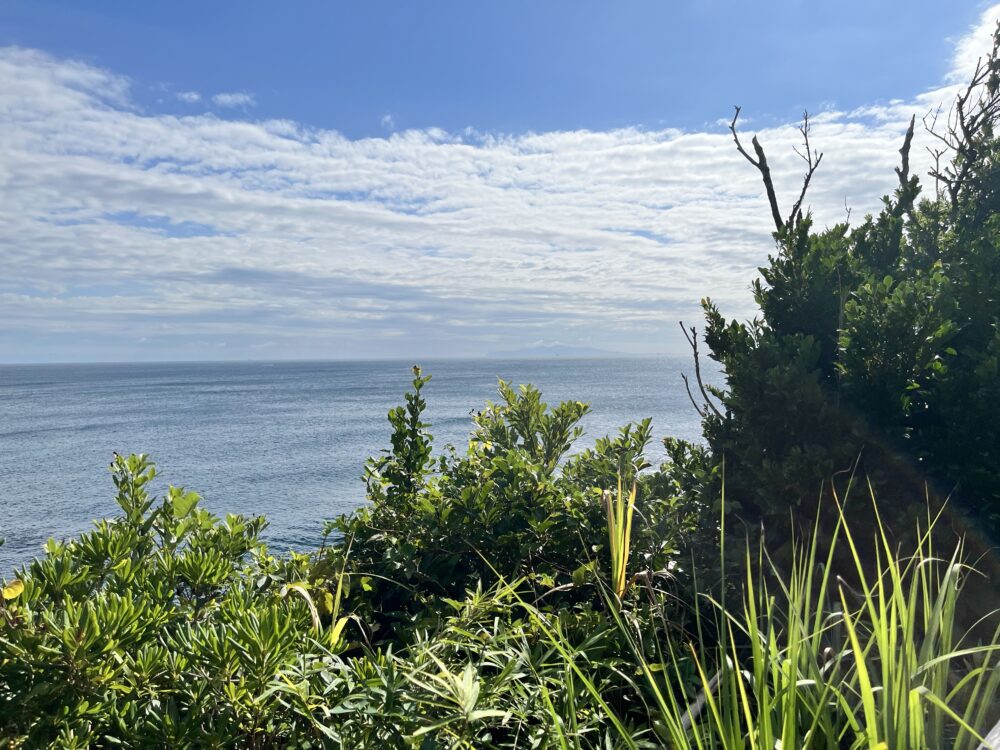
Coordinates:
[304,360]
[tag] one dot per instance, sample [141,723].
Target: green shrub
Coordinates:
[167,626]
[876,347]
[163,626]
[513,504]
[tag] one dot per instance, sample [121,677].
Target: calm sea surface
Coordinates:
[284,439]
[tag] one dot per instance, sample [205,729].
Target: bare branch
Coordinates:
[903,170]
[812,163]
[759,160]
[974,109]
[692,339]
[930,121]
[736,137]
[761,164]
[687,387]
[931,127]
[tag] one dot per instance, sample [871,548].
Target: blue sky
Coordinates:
[263,180]
[510,66]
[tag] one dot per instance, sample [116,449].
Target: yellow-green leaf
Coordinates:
[13,590]
[326,603]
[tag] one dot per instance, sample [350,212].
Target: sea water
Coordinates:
[284,439]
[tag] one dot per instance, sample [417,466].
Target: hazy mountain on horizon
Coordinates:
[544,351]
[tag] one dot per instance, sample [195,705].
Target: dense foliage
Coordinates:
[512,505]
[877,346]
[168,627]
[515,594]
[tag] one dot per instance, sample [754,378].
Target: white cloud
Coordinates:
[972,46]
[388,122]
[234,99]
[189,97]
[195,231]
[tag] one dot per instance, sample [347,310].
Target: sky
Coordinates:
[255,180]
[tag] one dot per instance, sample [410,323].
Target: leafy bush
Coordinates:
[164,626]
[513,504]
[168,627]
[877,346]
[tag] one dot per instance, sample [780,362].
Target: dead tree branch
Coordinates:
[759,160]
[687,387]
[903,172]
[692,338]
[812,161]
[930,121]
[765,171]
[975,108]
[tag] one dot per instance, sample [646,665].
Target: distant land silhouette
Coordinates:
[548,351]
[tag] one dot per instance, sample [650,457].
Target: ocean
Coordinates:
[284,439]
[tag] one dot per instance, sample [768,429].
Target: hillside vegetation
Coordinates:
[798,580]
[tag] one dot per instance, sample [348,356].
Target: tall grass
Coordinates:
[808,660]
[619,509]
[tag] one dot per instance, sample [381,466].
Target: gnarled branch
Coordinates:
[765,171]
[759,160]
[903,172]
[975,107]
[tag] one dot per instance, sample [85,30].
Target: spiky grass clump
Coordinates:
[619,509]
[811,661]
